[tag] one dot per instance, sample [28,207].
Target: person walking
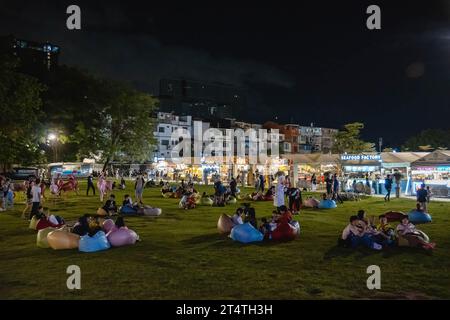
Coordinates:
[261,182]
[336,195]
[36,198]
[139,188]
[90,184]
[388,185]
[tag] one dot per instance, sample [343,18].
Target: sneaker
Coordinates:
[377,246]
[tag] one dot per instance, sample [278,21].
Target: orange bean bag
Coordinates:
[102,212]
[60,240]
[225,224]
[41,238]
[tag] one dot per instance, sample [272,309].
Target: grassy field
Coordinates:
[182,256]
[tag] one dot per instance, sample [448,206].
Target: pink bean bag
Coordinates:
[108,225]
[122,237]
[311,203]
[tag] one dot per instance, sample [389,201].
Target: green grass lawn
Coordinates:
[182,256]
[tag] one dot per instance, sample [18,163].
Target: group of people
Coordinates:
[247,214]
[361,231]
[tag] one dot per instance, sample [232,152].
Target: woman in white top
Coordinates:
[237,217]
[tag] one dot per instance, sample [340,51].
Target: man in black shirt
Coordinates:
[90,184]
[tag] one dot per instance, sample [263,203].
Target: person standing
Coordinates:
[139,188]
[313,183]
[336,195]
[329,185]
[36,198]
[261,182]
[279,194]
[90,184]
[233,187]
[388,185]
[422,195]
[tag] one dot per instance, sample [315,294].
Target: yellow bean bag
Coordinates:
[41,238]
[225,224]
[60,240]
[33,223]
[206,201]
[167,195]
[102,212]
[232,200]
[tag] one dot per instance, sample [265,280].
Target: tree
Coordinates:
[348,140]
[428,139]
[118,125]
[20,102]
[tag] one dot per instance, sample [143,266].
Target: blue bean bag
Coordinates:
[418,217]
[98,242]
[246,233]
[128,210]
[327,204]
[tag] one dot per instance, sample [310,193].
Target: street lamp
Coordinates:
[53,139]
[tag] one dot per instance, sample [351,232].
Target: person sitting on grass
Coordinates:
[127,201]
[386,231]
[265,228]
[94,226]
[81,228]
[250,216]
[354,235]
[409,231]
[285,215]
[120,222]
[110,205]
[237,217]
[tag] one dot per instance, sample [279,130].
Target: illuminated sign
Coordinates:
[360,157]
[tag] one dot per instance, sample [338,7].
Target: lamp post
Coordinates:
[53,140]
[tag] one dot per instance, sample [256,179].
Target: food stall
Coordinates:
[433,170]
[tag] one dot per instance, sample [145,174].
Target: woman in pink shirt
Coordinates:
[408,231]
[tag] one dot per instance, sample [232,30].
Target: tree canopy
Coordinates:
[428,139]
[349,140]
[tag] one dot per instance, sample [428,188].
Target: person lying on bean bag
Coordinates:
[81,228]
[237,217]
[386,231]
[110,205]
[409,231]
[48,220]
[354,235]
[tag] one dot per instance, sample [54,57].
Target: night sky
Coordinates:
[309,63]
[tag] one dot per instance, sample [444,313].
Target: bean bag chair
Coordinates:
[246,233]
[33,223]
[284,232]
[61,239]
[327,204]
[122,237]
[44,223]
[403,242]
[41,238]
[232,200]
[108,225]
[98,242]
[268,198]
[167,195]
[225,224]
[311,203]
[418,217]
[102,212]
[393,216]
[206,201]
[127,210]
[151,212]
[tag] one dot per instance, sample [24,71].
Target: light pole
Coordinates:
[53,139]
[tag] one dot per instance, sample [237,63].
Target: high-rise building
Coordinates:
[200,99]
[36,58]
